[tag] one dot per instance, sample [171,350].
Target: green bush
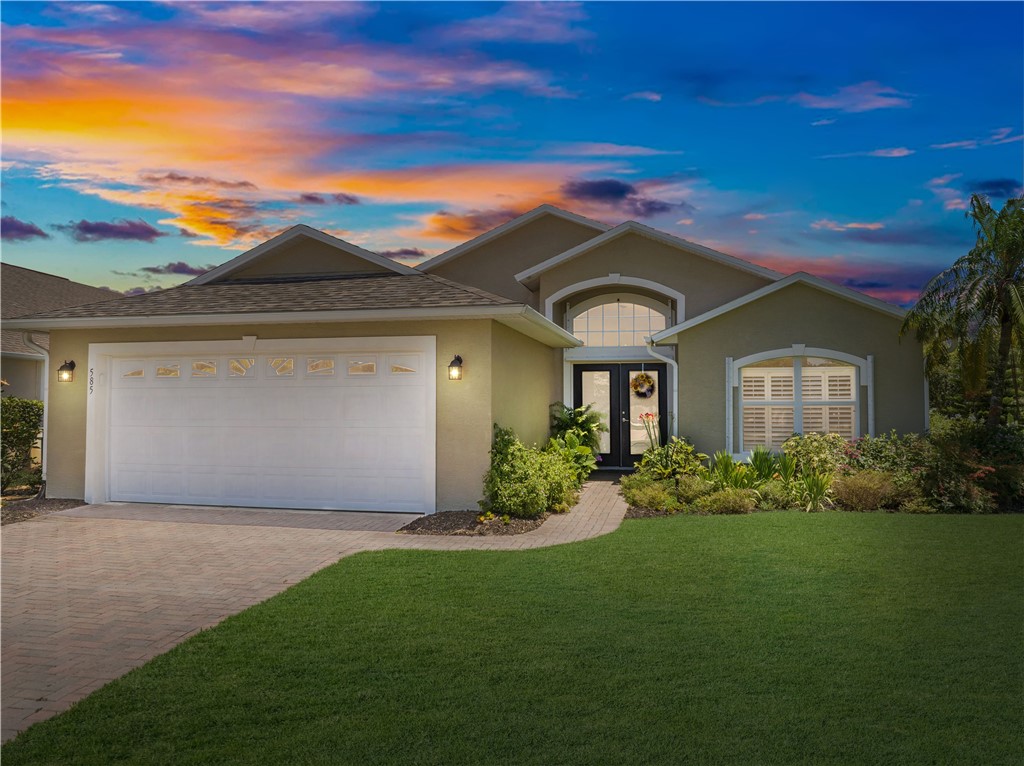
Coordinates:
[817,452]
[559,478]
[20,423]
[582,423]
[726,473]
[677,458]
[526,483]
[654,495]
[727,501]
[974,469]
[689,489]
[776,495]
[917,505]
[815,489]
[866,491]
[514,484]
[580,457]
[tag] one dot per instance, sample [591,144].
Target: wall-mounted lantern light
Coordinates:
[455,368]
[66,372]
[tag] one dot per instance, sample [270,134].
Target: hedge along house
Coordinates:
[310,373]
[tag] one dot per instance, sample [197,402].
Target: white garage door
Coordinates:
[327,429]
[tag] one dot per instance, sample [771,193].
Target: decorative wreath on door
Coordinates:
[642,385]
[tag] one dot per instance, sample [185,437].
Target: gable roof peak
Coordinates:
[286,236]
[528,276]
[509,226]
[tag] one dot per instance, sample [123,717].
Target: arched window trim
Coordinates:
[865,379]
[625,281]
[654,304]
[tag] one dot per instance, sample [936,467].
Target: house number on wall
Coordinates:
[90,380]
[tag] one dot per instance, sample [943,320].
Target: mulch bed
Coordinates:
[466,523]
[14,511]
[644,513]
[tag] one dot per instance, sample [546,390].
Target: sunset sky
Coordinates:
[144,142]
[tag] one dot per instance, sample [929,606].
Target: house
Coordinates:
[311,373]
[25,291]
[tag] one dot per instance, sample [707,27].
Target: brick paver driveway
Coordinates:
[90,593]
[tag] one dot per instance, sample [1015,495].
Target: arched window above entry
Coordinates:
[624,320]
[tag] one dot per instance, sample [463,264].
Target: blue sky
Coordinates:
[145,142]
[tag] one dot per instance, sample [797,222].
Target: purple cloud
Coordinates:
[525,22]
[346,199]
[98,231]
[181,179]
[403,252]
[142,290]
[312,199]
[178,267]
[14,230]
[619,195]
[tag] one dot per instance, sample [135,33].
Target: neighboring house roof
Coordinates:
[507,227]
[25,291]
[800,277]
[300,230]
[370,297]
[529,276]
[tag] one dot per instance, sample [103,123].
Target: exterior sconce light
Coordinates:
[66,372]
[455,368]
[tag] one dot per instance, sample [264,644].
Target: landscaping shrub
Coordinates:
[815,489]
[776,495]
[582,423]
[974,469]
[817,452]
[20,423]
[559,478]
[763,463]
[866,491]
[727,501]
[655,495]
[967,467]
[514,484]
[526,483]
[689,489]
[677,458]
[917,505]
[572,452]
[726,473]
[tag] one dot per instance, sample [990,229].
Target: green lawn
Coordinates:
[773,638]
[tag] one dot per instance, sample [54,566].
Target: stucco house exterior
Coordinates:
[25,291]
[310,373]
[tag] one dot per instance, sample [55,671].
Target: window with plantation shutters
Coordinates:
[780,397]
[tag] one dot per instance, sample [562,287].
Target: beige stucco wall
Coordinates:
[23,376]
[803,315]
[526,377]
[307,256]
[464,408]
[493,265]
[706,284]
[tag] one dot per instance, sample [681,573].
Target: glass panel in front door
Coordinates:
[597,391]
[642,400]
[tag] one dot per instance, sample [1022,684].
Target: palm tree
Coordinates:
[975,308]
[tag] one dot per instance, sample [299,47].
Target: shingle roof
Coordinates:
[25,291]
[354,292]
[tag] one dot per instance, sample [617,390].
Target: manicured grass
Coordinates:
[773,638]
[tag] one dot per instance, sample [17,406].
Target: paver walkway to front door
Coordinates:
[90,593]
